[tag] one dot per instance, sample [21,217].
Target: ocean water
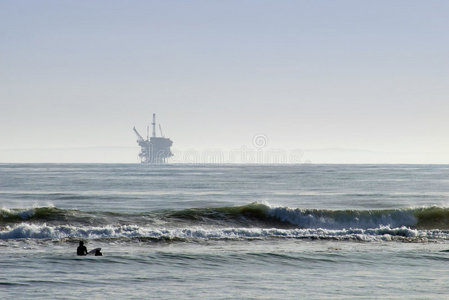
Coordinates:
[224,231]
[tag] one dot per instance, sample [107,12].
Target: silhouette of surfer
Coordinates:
[81,250]
[98,253]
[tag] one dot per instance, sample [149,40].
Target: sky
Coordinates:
[320,81]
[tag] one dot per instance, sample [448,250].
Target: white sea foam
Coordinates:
[33,231]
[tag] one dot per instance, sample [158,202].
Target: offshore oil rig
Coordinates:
[154,150]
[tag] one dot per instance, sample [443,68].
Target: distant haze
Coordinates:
[320,81]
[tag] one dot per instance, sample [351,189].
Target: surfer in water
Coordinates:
[81,250]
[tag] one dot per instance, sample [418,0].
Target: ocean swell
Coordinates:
[253,215]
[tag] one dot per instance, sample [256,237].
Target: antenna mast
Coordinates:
[154,125]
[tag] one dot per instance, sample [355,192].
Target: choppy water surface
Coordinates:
[224,231]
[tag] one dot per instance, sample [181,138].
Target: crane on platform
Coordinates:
[139,137]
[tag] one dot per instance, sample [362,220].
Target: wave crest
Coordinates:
[253,215]
[339,219]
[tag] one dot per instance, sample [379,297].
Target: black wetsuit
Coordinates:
[81,250]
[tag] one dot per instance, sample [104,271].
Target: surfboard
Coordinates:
[93,251]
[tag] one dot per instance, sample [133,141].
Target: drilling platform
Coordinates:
[154,149]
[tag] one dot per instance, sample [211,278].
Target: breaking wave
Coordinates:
[419,218]
[255,220]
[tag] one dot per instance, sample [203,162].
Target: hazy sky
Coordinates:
[320,76]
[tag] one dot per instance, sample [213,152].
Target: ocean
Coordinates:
[180,231]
